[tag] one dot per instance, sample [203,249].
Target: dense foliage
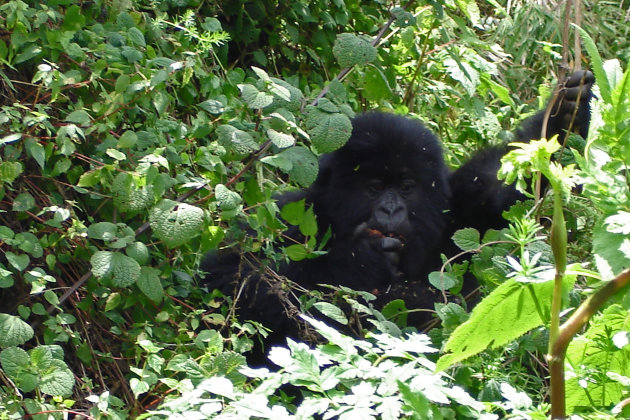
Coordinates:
[137,135]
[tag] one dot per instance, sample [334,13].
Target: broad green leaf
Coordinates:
[226,198]
[296,252]
[136,37]
[239,142]
[127,140]
[19,262]
[59,380]
[254,98]
[175,223]
[280,140]
[467,239]
[124,270]
[14,331]
[328,130]
[79,116]
[350,49]
[138,251]
[149,284]
[293,212]
[304,165]
[509,311]
[9,171]
[23,202]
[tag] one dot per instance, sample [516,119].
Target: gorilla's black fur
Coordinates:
[391,205]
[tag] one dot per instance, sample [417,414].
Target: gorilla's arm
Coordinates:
[478,197]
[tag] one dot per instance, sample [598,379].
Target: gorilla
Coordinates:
[391,205]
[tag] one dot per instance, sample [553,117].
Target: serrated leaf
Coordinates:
[328,131]
[467,239]
[350,49]
[237,141]
[280,140]
[296,252]
[14,331]
[176,223]
[124,270]
[136,37]
[149,284]
[304,165]
[254,98]
[9,171]
[508,312]
[331,311]
[59,381]
[442,281]
[102,230]
[226,198]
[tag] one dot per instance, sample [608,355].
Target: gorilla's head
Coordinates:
[388,184]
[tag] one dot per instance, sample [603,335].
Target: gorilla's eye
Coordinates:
[375,186]
[407,185]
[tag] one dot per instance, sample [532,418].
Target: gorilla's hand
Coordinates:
[572,105]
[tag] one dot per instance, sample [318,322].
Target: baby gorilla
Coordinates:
[391,205]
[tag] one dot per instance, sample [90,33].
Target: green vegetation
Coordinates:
[137,135]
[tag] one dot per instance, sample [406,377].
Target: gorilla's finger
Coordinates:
[578,85]
[389,244]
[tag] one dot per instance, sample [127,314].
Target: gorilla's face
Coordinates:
[387,185]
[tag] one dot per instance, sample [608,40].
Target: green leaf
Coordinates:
[212,106]
[296,252]
[176,223]
[611,247]
[149,283]
[19,262]
[127,140]
[239,142]
[138,251]
[293,212]
[115,154]
[331,311]
[509,311]
[304,165]
[79,116]
[442,281]
[23,202]
[16,364]
[9,171]
[280,140]
[254,98]
[328,130]
[136,37]
[14,331]
[124,270]
[37,151]
[58,381]
[226,198]
[10,138]
[597,64]
[350,49]
[467,239]
[105,231]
